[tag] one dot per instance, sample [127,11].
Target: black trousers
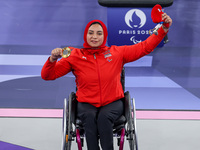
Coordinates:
[98,123]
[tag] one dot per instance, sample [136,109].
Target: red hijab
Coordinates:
[86,45]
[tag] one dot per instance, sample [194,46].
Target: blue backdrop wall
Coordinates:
[30,29]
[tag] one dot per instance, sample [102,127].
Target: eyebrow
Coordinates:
[93,31]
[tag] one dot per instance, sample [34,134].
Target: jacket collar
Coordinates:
[93,51]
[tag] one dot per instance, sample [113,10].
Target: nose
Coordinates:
[94,36]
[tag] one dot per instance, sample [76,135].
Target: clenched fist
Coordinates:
[55,54]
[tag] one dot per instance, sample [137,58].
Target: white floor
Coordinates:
[46,134]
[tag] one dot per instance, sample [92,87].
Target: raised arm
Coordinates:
[134,52]
[53,69]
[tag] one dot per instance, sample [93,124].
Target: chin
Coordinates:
[94,46]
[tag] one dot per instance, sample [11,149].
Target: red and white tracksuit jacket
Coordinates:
[98,71]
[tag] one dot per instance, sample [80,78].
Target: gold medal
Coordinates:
[66,51]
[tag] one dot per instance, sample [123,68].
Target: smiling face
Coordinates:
[95,35]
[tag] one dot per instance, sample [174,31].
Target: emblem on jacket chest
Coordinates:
[107,55]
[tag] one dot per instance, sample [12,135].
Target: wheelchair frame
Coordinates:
[72,131]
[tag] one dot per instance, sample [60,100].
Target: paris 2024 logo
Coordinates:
[135,19]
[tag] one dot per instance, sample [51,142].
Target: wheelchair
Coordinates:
[124,126]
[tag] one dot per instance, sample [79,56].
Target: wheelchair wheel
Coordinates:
[132,139]
[67,125]
[132,132]
[64,125]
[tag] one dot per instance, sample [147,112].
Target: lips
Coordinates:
[94,42]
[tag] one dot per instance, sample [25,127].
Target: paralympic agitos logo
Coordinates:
[135,19]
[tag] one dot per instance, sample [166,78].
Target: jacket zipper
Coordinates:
[98,72]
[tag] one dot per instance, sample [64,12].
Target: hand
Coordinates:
[167,22]
[55,54]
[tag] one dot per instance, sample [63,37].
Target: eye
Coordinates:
[90,32]
[100,33]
